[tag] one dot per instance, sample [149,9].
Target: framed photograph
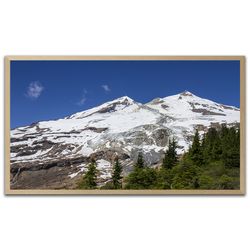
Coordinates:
[134,125]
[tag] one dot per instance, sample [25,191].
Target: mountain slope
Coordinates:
[59,151]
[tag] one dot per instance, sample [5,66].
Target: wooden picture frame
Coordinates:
[240,191]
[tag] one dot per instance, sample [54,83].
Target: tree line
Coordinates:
[211,162]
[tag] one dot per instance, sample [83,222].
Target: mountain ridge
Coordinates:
[121,127]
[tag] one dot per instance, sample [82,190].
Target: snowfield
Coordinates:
[120,125]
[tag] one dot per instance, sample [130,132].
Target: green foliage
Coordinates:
[186,175]
[164,178]
[195,151]
[89,179]
[226,182]
[222,145]
[212,173]
[170,158]
[116,175]
[211,163]
[109,185]
[231,148]
[206,182]
[140,161]
[212,145]
[141,178]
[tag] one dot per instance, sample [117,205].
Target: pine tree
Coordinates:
[170,158]
[89,180]
[116,176]
[212,147]
[231,148]
[224,131]
[186,175]
[195,151]
[140,161]
[217,150]
[142,177]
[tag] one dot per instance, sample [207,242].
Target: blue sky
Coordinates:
[45,90]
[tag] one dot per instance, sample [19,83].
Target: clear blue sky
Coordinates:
[45,90]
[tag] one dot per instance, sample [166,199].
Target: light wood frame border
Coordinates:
[242,189]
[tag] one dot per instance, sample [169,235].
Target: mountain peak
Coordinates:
[124,99]
[186,93]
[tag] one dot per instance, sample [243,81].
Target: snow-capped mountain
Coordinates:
[58,151]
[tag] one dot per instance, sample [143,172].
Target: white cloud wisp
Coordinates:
[34,90]
[83,99]
[106,88]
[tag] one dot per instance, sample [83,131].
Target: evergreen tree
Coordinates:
[186,175]
[223,131]
[116,176]
[89,179]
[212,146]
[164,178]
[141,178]
[231,148]
[203,142]
[195,151]
[170,158]
[140,161]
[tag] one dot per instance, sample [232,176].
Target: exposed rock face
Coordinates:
[55,154]
[206,112]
